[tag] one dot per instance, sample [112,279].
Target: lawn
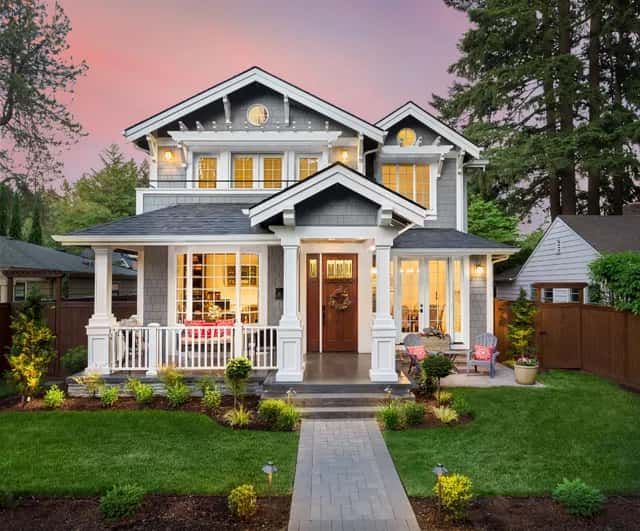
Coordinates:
[75,452]
[524,441]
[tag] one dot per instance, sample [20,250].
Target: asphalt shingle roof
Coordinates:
[16,254]
[444,239]
[607,234]
[187,220]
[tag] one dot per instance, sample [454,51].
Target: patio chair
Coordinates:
[413,340]
[484,340]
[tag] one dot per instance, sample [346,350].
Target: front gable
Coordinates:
[337,206]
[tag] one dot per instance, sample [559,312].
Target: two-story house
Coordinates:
[277,224]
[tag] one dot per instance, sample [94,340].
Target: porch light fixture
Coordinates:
[479,270]
[344,155]
[168,155]
[270,469]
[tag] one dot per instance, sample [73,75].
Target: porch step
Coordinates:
[351,412]
[340,400]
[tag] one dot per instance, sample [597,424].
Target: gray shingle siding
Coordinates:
[274,281]
[428,136]
[446,198]
[477,300]
[155,285]
[337,206]
[156,202]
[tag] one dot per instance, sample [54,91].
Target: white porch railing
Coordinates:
[152,347]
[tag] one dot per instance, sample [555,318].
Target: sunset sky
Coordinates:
[366,56]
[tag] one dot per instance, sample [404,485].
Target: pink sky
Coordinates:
[365,56]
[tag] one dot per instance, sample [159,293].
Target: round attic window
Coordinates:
[406,137]
[258,115]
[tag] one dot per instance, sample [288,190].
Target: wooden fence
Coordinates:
[67,319]
[594,338]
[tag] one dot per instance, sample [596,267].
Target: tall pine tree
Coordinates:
[15,228]
[35,233]
[5,199]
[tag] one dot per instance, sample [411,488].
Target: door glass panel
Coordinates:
[272,172]
[438,294]
[457,297]
[339,269]
[249,280]
[409,292]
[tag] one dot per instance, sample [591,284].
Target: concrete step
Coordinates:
[352,412]
[338,399]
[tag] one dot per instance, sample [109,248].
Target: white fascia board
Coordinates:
[203,140]
[165,239]
[252,75]
[332,176]
[460,251]
[411,109]
[416,151]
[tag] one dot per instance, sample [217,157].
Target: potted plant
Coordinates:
[521,333]
[526,370]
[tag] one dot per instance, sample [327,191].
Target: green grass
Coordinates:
[74,453]
[524,441]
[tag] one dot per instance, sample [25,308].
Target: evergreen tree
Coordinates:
[521,329]
[5,199]
[35,234]
[15,228]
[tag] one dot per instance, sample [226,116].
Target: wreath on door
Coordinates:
[340,299]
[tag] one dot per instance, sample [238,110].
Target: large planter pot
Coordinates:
[525,375]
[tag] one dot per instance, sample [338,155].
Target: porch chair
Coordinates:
[413,340]
[489,343]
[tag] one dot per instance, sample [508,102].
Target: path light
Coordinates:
[270,469]
[290,394]
[439,471]
[388,391]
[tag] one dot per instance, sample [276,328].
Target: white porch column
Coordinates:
[290,355]
[383,330]
[102,320]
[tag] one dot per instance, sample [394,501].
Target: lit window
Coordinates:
[406,137]
[410,180]
[307,166]
[258,115]
[207,172]
[339,269]
[243,172]
[272,167]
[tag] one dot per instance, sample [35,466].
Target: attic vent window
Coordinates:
[557,246]
[406,137]
[258,115]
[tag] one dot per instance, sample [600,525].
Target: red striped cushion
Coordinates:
[417,352]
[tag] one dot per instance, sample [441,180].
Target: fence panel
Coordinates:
[558,335]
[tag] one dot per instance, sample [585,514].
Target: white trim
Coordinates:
[165,239]
[422,151]
[336,174]
[253,75]
[460,206]
[489,279]
[238,140]
[411,109]
[458,251]
[140,286]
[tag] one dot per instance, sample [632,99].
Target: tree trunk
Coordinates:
[550,105]
[618,81]
[565,105]
[595,28]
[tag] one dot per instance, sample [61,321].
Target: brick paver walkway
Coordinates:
[346,480]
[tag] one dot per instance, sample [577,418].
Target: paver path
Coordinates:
[346,480]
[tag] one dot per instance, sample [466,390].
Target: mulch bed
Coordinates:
[158,512]
[503,512]
[158,402]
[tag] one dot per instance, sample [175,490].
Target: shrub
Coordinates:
[142,392]
[93,381]
[121,501]
[444,397]
[211,399]
[288,418]
[205,383]
[236,375]
[269,410]
[617,276]
[413,413]
[74,360]
[32,350]
[437,367]
[426,384]
[455,493]
[109,395]
[521,330]
[238,417]
[54,397]
[170,376]
[578,498]
[242,501]
[445,414]
[391,417]
[461,406]
[178,394]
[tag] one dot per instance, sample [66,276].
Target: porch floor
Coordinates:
[341,368]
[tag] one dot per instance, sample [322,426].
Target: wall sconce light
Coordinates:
[344,155]
[479,270]
[168,155]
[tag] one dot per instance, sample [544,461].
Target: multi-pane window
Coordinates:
[410,180]
[207,287]
[272,170]
[242,172]
[207,172]
[307,166]
[339,269]
[575,295]
[547,295]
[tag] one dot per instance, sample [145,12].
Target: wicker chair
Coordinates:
[484,340]
[413,340]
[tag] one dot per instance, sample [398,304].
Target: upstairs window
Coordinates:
[257,171]
[257,115]
[207,172]
[272,169]
[406,137]
[409,180]
[243,172]
[307,166]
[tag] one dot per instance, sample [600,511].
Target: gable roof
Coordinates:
[607,234]
[19,255]
[413,109]
[252,75]
[336,174]
[427,238]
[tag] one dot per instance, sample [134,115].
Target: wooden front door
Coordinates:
[340,302]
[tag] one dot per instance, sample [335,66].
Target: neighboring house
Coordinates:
[558,269]
[25,266]
[292,226]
